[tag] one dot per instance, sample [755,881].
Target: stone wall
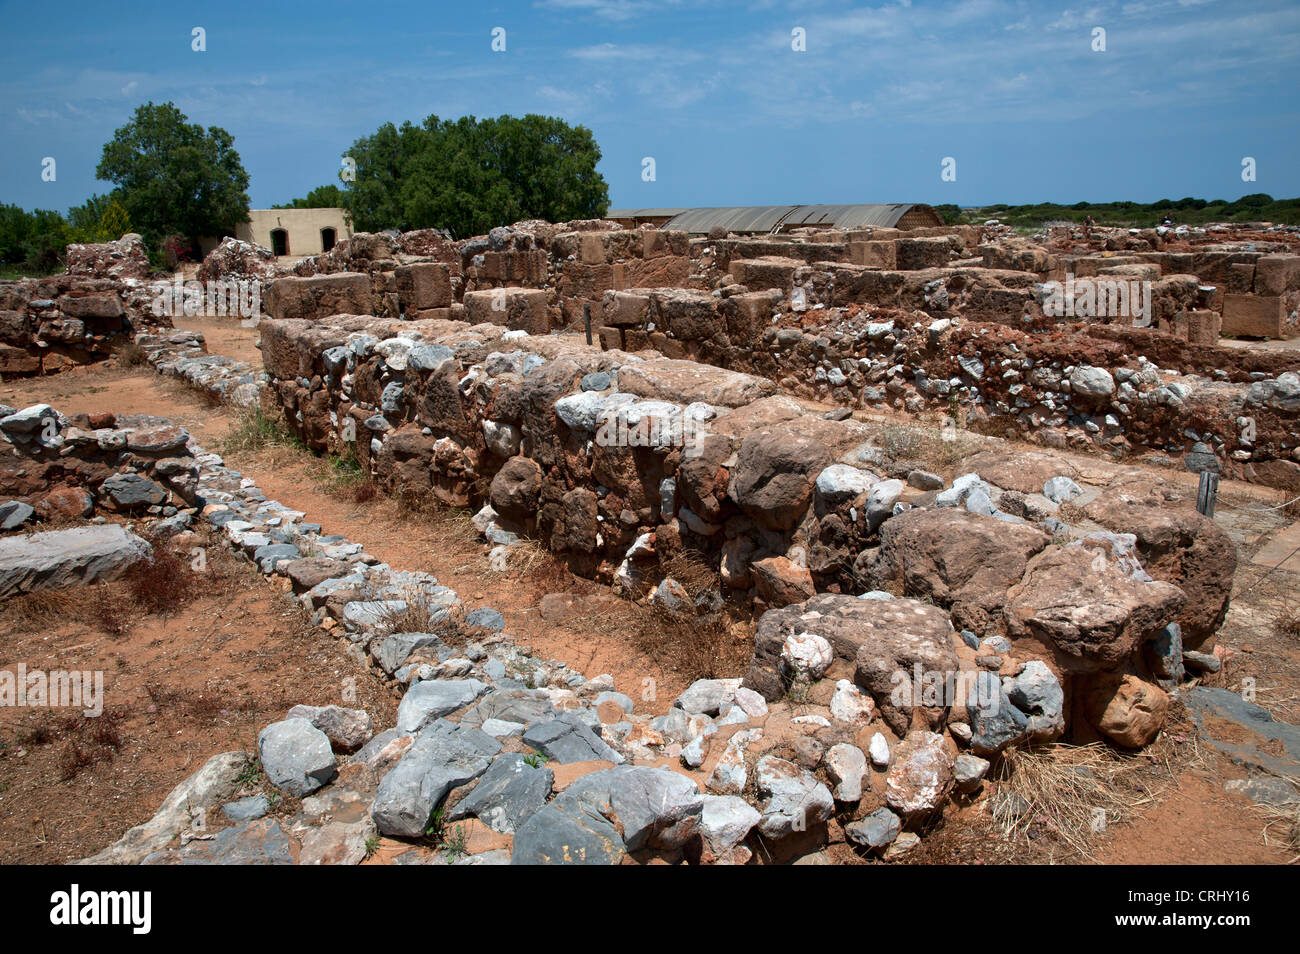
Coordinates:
[51,324]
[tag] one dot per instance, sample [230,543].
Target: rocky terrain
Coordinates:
[781,436]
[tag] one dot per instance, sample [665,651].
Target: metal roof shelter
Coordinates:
[634,217]
[781,218]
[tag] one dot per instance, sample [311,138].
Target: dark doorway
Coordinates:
[327,239]
[279,242]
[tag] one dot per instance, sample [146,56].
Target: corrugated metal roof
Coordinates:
[733,218]
[847,216]
[642,213]
[765,218]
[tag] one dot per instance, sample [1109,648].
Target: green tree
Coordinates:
[468,175]
[173,176]
[321,197]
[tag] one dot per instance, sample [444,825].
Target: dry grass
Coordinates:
[693,571]
[419,614]
[131,356]
[1282,826]
[1073,791]
[932,447]
[87,741]
[162,582]
[1287,623]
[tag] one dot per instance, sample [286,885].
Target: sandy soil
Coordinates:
[178,688]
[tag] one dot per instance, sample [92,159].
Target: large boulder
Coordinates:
[296,756]
[72,557]
[1126,709]
[882,640]
[1085,611]
[442,756]
[776,468]
[952,556]
[921,774]
[1185,548]
[514,489]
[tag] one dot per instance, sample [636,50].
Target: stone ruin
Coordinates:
[626,397]
[52,324]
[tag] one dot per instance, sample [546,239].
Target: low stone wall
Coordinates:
[1077,386]
[52,324]
[859,721]
[620,462]
[184,355]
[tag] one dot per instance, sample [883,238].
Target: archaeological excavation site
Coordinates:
[597,432]
[574,543]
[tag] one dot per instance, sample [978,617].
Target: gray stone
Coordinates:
[1164,656]
[725,821]
[246,809]
[394,650]
[596,381]
[133,490]
[568,739]
[571,830]
[486,618]
[924,480]
[841,484]
[508,793]
[1275,792]
[442,756]
[434,699]
[875,831]
[14,513]
[1202,662]
[347,729]
[1059,490]
[58,558]
[795,800]
[261,842]
[846,766]
[526,706]
[969,772]
[296,756]
[994,721]
[652,807]
[1271,746]
[1091,382]
[1036,692]
[708,696]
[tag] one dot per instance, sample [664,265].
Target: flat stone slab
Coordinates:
[1281,551]
[73,557]
[1244,731]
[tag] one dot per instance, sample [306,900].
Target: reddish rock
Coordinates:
[1126,709]
[780,582]
[1080,606]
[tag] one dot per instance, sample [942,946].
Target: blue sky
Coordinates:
[713,91]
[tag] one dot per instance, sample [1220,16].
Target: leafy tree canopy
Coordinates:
[470,175]
[321,197]
[175,177]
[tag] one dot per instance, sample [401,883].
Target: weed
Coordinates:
[130,355]
[255,430]
[162,582]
